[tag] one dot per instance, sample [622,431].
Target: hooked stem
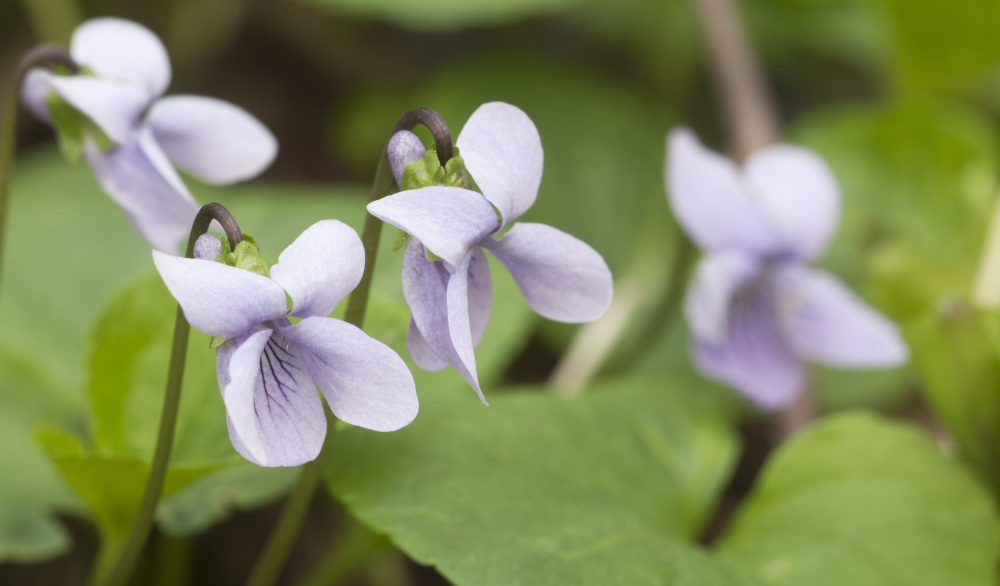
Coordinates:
[279,546]
[39,56]
[171,401]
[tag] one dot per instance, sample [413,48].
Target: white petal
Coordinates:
[34,93]
[214,140]
[420,351]
[120,49]
[503,153]
[114,105]
[718,278]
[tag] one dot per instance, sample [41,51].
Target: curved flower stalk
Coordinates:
[129,135]
[449,297]
[756,310]
[268,367]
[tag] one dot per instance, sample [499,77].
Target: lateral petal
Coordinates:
[275,415]
[122,49]
[138,178]
[320,268]
[217,299]
[709,197]
[753,356]
[825,322]
[449,221]
[503,152]
[364,381]
[420,350]
[561,277]
[114,105]
[719,277]
[798,193]
[214,140]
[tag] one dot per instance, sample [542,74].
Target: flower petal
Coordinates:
[447,220]
[34,91]
[117,48]
[709,197]
[114,105]
[364,381]
[719,277]
[139,179]
[404,148]
[217,299]
[213,140]
[753,356]
[439,302]
[420,351]
[320,268]
[275,415]
[798,193]
[561,277]
[480,294]
[824,322]
[503,153]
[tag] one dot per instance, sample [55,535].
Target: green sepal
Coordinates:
[431,256]
[401,239]
[216,342]
[69,125]
[248,258]
[456,175]
[423,172]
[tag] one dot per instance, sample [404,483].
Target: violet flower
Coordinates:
[268,368]
[755,309]
[560,277]
[131,135]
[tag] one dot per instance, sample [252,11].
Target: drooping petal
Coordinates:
[718,278]
[561,277]
[438,305]
[824,322]
[364,381]
[753,356]
[213,140]
[320,268]
[420,351]
[34,91]
[404,148]
[480,294]
[114,105]
[217,299]
[275,414]
[503,153]
[121,49]
[709,197]
[448,220]
[141,181]
[799,195]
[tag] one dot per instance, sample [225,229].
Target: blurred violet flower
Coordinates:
[560,277]
[269,368]
[755,309]
[126,70]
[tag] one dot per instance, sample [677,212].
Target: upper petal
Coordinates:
[275,415]
[798,193]
[320,268]
[448,220]
[709,197]
[824,322]
[718,278]
[561,277]
[217,299]
[214,140]
[117,48]
[114,105]
[439,302]
[364,381]
[139,179]
[503,153]
[753,356]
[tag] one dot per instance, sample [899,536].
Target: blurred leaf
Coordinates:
[607,488]
[441,15]
[859,500]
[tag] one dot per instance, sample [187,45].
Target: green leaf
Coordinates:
[608,488]
[441,15]
[860,500]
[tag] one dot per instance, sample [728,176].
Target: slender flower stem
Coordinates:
[168,419]
[279,546]
[39,56]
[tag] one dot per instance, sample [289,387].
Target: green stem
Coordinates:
[171,401]
[36,57]
[279,546]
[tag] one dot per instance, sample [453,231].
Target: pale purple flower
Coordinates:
[268,368]
[128,72]
[560,277]
[757,312]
